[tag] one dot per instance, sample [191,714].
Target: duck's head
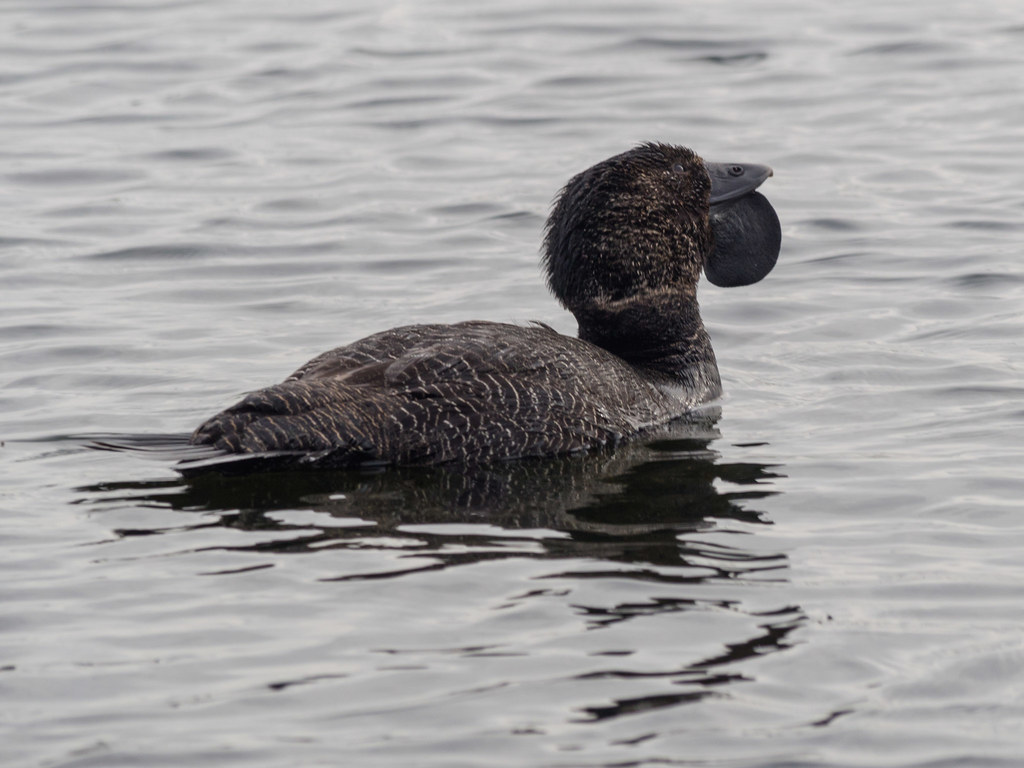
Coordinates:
[649,220]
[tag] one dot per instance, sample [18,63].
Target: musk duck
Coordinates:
[623,250]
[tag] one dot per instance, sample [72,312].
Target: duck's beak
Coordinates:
[733,180]
[745,226]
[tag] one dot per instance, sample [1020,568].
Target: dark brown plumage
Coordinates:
[624,248]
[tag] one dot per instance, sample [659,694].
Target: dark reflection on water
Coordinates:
[636,515]
[703,678]
[629,505]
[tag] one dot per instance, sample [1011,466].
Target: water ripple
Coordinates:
[200,196]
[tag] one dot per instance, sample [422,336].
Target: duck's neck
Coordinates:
[659,332]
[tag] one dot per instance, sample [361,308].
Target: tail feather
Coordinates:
[190,459]
[162,446]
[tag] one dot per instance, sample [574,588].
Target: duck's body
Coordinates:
[624,249]
[472,392]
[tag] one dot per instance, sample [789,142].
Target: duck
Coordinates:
[623,250]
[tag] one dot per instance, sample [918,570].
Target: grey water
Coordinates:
[827,570]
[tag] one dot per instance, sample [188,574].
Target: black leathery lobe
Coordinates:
[748,236]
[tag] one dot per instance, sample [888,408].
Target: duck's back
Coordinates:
[429,394]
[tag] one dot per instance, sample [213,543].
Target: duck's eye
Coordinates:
[735,170]
[678,168]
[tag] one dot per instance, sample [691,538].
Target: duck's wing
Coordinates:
[371,352]
[471,392]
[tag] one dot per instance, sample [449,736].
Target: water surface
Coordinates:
[199,197]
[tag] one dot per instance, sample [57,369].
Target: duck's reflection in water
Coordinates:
[632,504]
[645,512]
